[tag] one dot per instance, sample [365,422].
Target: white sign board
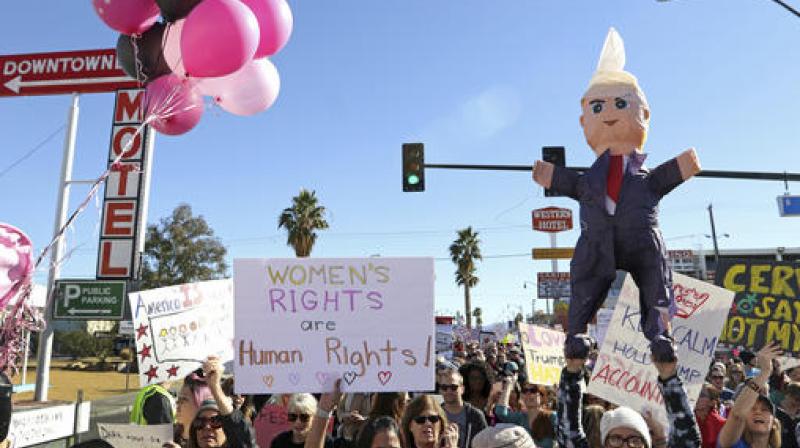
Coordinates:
[624,374]
[39,425]
[603,319]
[301,323]
[135,436]
[177,327]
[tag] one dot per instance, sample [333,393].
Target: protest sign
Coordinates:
[368,321]
[271,421]
[603,319]
[135,436]
[544,353]
[766,307]
[32,426]
[177,327]
[444,338]
[623,373]
[465,334]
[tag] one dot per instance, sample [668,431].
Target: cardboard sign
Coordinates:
[766,306]
[176,328]
[544,353]
[303,323]
[135,436]
[38,425]
[623,373]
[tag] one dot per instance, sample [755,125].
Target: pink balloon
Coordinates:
[171,47]
[251,90]
[127,16]
[275,22]
[218,38]
[172,105]
[16,262]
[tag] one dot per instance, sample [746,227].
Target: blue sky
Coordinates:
[486,82]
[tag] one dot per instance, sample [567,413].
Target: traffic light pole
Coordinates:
[717,174]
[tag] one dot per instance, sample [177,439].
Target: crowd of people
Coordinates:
[483,399]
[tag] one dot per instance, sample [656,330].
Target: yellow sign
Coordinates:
[550,253]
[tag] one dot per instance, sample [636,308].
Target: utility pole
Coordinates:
[714,237]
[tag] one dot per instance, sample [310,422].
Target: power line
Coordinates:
[788,8]
[32,151]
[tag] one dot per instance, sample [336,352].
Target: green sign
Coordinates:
[89,300]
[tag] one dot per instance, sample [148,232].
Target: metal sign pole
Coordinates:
[554,261]
[45,348]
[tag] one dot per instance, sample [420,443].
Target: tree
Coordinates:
[464,252]
[478,314]
[518,319]
[181,249]
[301,220]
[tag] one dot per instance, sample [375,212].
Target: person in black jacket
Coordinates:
[470,420]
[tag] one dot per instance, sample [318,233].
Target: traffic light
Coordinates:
[413,167]
[554,155]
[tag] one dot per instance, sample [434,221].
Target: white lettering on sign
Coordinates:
[71,292]
[39,66]
[552,214]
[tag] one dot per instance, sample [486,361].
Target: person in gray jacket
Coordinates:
[470,420]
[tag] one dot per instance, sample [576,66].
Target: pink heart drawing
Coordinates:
[322,378]
[384,376]
[350,377]
[294,378]
[268,380]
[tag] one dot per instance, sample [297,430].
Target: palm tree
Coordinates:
[301,220]
[464,251]
[518,319]
[478,314]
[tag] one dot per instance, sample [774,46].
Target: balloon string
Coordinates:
[140,74]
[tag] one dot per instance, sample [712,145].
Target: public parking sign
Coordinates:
[89,300]
[552,219]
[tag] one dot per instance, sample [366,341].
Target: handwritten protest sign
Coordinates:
[465,334]
[444,339]
[177,327]
[623,373]
[544,353]
[766,307]
[271,421]
[603,319]
[302,323]
[135,436]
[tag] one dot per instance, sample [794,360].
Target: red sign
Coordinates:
[123,213]
[552,219]
[83,71]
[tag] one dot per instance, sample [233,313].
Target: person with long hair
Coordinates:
[751,422]
[191,395]
[242,402]
[706,411]
[389,404]
[381,432]
[478,380]
[425,425]
[302,407]
[539,421]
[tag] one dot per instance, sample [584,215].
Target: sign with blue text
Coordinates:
[624,374]
[301,323]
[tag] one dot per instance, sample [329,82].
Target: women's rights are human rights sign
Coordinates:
[302,323]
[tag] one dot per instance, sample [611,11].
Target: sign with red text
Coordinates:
[552,219]
[83,71]
[544,353]
[302,323]
[121,235]
[623,373]
[177,327]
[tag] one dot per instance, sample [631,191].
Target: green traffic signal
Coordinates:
[413,167]
[413,179]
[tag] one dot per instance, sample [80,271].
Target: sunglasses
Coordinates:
[432,419]
[531,390]
[616,441]
[450,387]
[717,377]
[214,422]
[303,417]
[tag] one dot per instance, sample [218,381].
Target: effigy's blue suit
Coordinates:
[629,239]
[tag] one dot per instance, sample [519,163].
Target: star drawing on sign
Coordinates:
[141,331]
[145,352]
[172,371]
[151,373]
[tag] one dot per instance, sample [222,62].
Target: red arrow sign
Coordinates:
[84,71]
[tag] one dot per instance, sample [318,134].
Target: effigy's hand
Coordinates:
[688,163]
[543,173]
[666,370]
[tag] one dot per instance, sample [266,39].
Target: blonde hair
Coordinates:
[303,404]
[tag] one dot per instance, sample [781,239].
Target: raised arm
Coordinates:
[560,179]
[321,420]
[734,427]
[570,397]
[684,432]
